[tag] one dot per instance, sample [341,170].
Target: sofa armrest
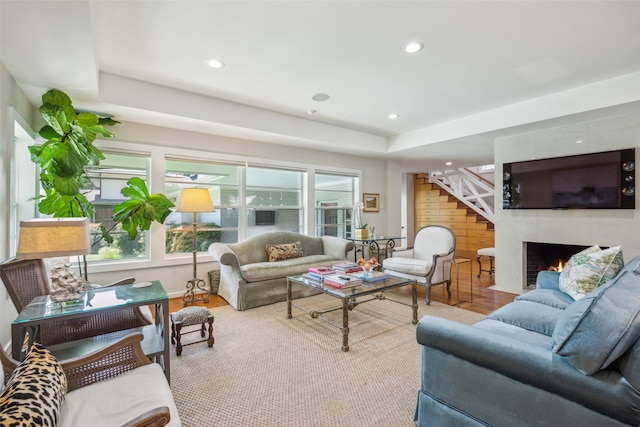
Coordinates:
[336,247]
[548,280]
[225,256]
[157,417]
[528,364]
[123,355]
[403,253]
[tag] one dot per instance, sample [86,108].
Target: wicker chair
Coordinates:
[27,279]
[110,362]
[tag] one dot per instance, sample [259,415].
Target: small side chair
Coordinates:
[426,261]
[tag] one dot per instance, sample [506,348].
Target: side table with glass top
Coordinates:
[388,243]
[43,310]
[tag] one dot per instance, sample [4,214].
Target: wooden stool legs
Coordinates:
[176,334]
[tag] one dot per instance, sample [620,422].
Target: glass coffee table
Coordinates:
[375,291]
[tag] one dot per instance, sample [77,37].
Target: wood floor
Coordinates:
[485,300]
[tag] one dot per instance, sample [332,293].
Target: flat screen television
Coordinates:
[587,181]
[265,217]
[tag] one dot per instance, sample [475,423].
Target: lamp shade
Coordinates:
[53,237]
[195,200]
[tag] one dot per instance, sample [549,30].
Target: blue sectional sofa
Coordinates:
[544,359]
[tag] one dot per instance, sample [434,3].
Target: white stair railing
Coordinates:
[474,191]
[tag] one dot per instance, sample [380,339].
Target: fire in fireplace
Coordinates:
[547,256]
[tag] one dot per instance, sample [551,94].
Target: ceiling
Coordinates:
[488,68]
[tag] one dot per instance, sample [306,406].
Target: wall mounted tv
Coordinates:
[265,217]
[587,181]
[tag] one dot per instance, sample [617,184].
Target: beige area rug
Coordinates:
[266,370]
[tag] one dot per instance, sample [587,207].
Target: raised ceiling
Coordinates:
[488,68]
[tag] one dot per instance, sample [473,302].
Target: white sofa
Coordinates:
[114,386]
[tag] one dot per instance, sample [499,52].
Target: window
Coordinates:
[103,190]
[276,193]
[222,180]
[25,186]
[334,198]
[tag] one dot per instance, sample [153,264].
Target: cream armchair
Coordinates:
[426,260]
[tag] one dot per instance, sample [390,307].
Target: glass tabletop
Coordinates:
[43,307]
[377,239]
[363,289]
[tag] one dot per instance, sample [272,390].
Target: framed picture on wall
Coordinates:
[371,202]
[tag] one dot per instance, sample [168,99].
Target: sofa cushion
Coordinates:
[506,330]
[528,315]
[596,330]
[129,395]
[416,267]
[589,269]
[35,391]
[549,297]
[260,271]
[284,251]
[630,365]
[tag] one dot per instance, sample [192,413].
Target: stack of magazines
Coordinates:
[347,267]
[341,281]
[373,276]
[315,276]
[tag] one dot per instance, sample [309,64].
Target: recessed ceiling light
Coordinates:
[579,141]
[448,163]
[320,97]
[215,63]
[393,116]
[413,47]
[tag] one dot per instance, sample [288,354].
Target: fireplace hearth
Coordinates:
[546,256]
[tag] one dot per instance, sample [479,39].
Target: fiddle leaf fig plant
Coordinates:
[63,158]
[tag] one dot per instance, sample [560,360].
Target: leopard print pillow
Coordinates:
[35,392]
[284,251]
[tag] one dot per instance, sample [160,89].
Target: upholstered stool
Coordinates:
[190,316]
[491,254]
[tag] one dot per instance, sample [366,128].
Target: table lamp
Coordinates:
[195,200]
[55,238]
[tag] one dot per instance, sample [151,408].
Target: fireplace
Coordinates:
[546,256]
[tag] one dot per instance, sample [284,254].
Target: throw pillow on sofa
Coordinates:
[596,330]
[590,268]
[35,391]
[284,251]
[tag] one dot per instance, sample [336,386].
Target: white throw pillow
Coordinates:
[587,270]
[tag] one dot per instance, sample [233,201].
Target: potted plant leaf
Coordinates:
[68,149]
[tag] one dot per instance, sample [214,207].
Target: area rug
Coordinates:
[266,370]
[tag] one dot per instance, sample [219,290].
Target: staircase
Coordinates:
[436,206]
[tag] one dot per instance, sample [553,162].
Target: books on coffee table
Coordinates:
[312,280]
[341,281]
[347,267]
[372,277]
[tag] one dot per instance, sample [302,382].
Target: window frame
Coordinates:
[156,184]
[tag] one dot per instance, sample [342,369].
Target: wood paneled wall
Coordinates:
[434,206]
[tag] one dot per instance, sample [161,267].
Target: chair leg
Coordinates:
[428,286]
[448,287]
[211,340]
[479,266]
[178,343]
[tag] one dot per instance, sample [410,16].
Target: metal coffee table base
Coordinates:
[349,302]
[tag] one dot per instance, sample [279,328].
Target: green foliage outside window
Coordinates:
[180,237]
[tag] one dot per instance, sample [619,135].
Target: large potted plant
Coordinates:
[68,149]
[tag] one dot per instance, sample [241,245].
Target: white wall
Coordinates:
[13,104]
[580,227]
